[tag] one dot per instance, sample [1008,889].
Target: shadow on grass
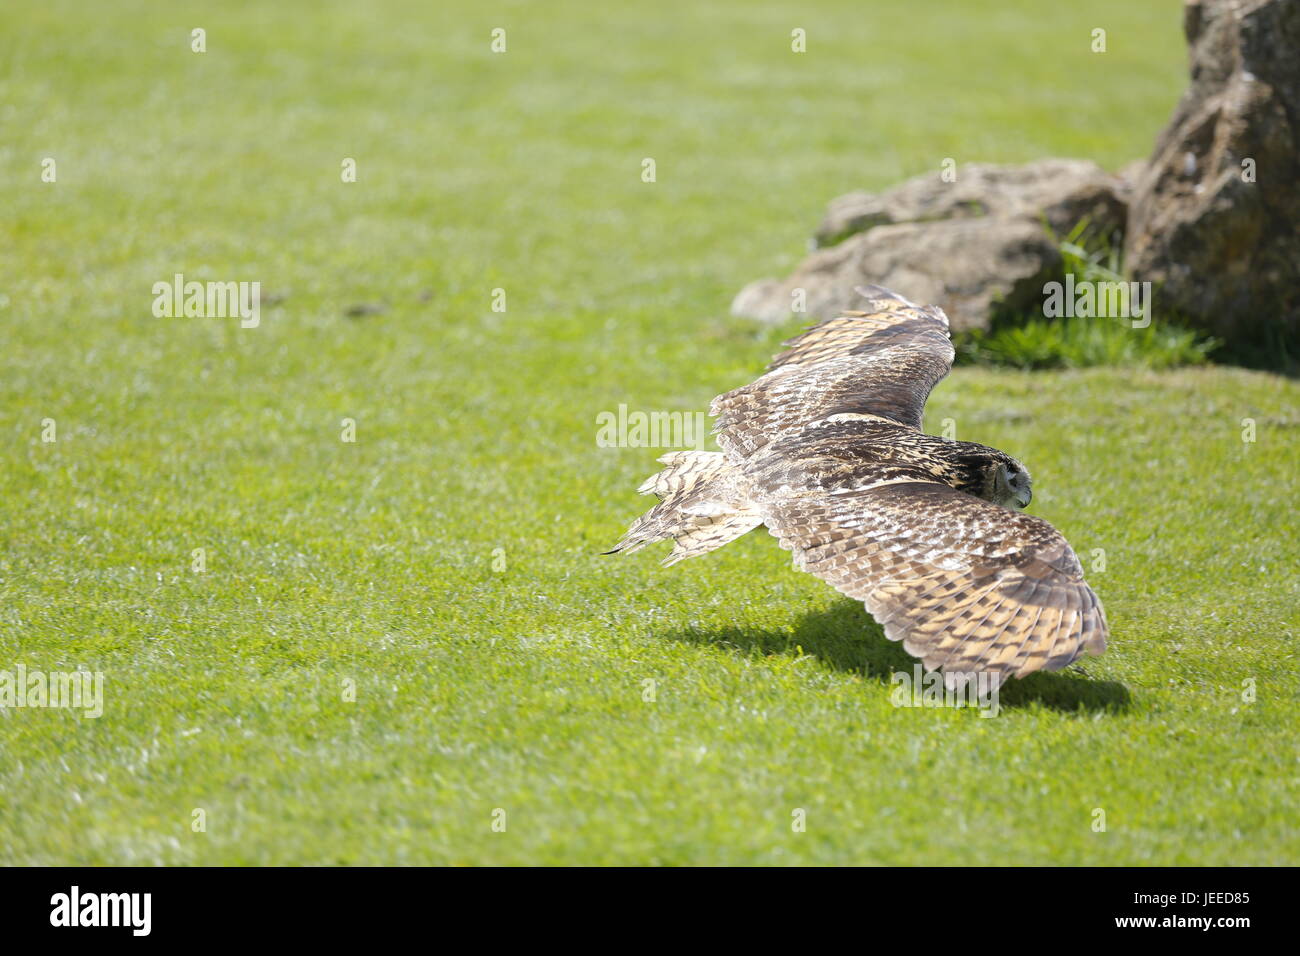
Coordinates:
[846,638]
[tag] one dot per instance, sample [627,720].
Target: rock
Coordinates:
[1062,190]
[969,267]
[1223,251]
[973,246]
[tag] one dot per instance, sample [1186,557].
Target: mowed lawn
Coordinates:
[400,640]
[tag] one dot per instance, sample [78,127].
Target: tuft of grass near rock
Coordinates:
[1083,343]
[1036,342]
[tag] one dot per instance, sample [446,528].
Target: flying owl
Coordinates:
[826,449]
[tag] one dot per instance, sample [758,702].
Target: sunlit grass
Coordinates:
[446,565]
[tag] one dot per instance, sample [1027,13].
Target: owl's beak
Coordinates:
[1023,497]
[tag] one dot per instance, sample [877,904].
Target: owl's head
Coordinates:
[994,476]
[1010,484]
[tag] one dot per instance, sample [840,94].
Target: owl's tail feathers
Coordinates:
[701,506]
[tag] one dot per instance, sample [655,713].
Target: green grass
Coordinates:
[374,561]
[1078,341]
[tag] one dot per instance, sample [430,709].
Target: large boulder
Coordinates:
[973,246]
[1213,221]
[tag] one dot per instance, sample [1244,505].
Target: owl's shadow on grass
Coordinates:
[846,638]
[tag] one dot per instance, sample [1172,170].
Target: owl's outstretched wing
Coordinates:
[880,363]
[967,586]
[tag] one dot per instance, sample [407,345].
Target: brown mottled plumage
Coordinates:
[826,449]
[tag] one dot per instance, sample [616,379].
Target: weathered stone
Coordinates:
[1213,222]
[973,246]
[1062,191]
[968,267]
